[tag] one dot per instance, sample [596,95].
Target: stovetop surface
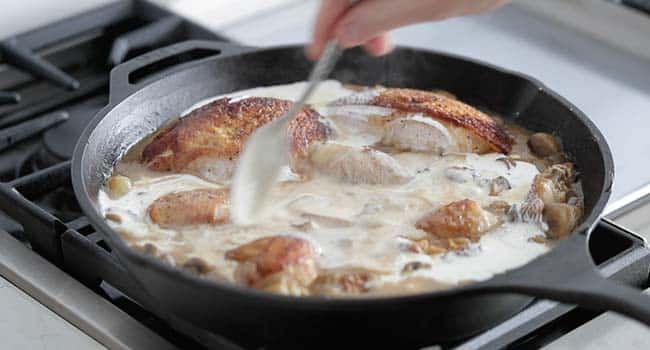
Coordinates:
[75,274]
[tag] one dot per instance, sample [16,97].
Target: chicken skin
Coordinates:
[195,207]
[470,130]
[208,141]
[282,264]
[464,218]
[358,165]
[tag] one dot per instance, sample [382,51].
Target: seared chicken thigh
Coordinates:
[284,264]
[203,206]
[469,129]
[208,141]
[464,218]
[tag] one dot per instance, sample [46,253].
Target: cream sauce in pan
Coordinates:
[352,225]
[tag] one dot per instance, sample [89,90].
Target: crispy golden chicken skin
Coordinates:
[208,141]
[464,218]
[202,206]
[282,264]
[472,130]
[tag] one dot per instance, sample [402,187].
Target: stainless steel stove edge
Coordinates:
[72,301]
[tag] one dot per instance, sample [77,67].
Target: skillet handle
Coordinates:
[131,75]
[567,274]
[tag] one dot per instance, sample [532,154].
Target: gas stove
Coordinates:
[53,81]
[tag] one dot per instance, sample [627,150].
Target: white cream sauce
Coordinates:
[365,223]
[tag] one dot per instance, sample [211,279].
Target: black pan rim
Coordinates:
[124,251]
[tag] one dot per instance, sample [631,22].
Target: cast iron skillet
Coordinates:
[140,103]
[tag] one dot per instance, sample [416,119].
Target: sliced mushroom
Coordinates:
[197,266]
[414,266]
[509,161]
[147,248]
[460,174]
[113,217]
[498,185]
[327,221]
[499,208]
[553,185]
[530,210]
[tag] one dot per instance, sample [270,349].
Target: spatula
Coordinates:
[267,151]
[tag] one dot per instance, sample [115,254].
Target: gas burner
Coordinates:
[59,141]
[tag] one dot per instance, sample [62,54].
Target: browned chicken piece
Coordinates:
[281,264]
[208,141]
[343,281]
[194,207]
[358,164]
[470,129]
[464,218]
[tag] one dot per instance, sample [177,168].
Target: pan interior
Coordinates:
[512,96]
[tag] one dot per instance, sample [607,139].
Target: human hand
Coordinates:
[367,22]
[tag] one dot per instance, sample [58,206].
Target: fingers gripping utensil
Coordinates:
[267,151]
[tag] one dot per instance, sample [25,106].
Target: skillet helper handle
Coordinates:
[568,275]
[170,58]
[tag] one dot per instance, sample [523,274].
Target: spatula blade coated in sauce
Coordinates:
[266,151]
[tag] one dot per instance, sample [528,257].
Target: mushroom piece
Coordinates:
[118,186]
[414,266]
[561,219]
[197,266]
[460,174]
[498,208]
[498,185]
[543,144]
[554,184]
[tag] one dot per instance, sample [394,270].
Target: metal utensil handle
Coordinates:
[321,70]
